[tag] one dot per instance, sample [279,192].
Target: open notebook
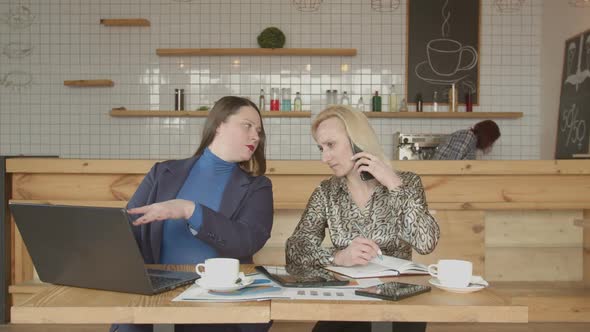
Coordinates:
[389,266]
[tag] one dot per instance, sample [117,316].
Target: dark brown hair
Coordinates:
[487,132]
[224,108]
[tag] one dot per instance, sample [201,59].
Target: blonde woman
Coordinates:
[390,209]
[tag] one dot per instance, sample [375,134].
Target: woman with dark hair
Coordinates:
[463,144]
[217,203]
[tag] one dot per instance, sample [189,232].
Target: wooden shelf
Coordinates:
[256,51]
[125,22]
[286,114]
[445,115]
[89,83]
[307,114]
[197,114]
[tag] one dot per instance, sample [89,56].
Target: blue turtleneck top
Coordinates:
[204,186]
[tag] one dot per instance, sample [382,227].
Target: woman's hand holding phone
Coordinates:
[381,171]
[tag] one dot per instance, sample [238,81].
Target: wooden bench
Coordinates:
[522,223]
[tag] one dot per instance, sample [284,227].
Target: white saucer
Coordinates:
[477,284]
[224,288]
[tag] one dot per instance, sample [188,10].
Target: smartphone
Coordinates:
[365,176]
[393,291]
[299,278]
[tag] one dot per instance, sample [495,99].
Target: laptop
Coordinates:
[89,247]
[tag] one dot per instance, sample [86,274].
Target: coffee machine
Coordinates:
[417,146]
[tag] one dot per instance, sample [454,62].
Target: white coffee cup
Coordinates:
[452,272]
[219,271]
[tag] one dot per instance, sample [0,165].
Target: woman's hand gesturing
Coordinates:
[172,209]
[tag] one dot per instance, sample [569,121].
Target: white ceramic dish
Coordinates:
[224,288]
[477,284]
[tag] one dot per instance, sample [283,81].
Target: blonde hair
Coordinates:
[357,127]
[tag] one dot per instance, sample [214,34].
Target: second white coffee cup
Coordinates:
[452,272]
[219,271]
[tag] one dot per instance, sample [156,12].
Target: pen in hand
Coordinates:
[379,253]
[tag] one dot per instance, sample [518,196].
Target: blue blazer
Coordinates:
[240,228]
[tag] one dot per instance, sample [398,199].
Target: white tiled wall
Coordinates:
[47,118]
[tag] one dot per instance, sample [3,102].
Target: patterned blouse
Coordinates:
[397,220]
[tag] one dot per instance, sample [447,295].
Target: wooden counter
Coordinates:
[517,221]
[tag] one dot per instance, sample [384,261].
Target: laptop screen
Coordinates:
[90,247]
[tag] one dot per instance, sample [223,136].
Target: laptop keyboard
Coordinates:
[157,272]
[159,282]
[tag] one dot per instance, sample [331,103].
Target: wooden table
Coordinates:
[70,305]
[489,305]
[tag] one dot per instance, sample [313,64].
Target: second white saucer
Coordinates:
[477,284]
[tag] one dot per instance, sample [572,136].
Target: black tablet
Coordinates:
[298,277]
[393,291]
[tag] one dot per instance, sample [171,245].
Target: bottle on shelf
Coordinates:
[468,102]
[435,102]
[392,99]
[285,99]
[376,102]
[403,107]
[345,100]
[453,98]
[179,99]
[329,97]
[419,103]
[361,104]
[274,99]
[334,96]
[297,106]
[261,101]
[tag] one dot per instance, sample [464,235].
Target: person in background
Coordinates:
[217,203]
[463,144]
[390,209]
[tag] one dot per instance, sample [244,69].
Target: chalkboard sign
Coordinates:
[443,48]
[574,103]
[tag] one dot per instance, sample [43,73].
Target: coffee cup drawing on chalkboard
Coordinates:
[447,60]
[445,56]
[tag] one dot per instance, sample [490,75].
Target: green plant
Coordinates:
[271,37]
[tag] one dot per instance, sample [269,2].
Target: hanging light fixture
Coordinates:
[508,6]
[580,3]
[306,5]
[384,5]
